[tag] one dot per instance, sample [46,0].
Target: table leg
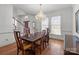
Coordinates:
[33,47]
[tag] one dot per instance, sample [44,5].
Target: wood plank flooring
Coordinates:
[55,48]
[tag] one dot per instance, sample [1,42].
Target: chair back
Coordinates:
[48,31]
[47,35]
[44,34]
[18,40]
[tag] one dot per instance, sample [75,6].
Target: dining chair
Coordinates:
[46,39]
[39,44]
[47,36]
[20,45]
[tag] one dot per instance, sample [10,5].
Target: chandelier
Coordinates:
[40,15]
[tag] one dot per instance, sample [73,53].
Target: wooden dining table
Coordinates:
[32,38]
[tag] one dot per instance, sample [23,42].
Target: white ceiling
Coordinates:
[34,8]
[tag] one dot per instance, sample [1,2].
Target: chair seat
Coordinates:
[26,46]
[38,42]
[25,42]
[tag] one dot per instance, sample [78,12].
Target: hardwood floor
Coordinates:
[55,48]
[8,50]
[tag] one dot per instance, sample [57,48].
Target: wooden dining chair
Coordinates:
[20,45]
[39,44]
[46,38]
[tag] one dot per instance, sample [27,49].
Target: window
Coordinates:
[56,25]
[45,24]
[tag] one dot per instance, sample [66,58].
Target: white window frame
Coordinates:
[55,25]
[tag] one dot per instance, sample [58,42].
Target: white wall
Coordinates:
[66,21]
[6,26]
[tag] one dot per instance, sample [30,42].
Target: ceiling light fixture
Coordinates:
[40,15]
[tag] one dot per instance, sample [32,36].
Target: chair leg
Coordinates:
[48,42]
[43,45]
[17,51]
[23,52]
[40,49]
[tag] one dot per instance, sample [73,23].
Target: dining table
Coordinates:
[32,38]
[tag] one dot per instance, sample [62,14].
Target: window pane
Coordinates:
[56,25]
[45,24]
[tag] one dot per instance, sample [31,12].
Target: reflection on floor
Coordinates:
[56,47]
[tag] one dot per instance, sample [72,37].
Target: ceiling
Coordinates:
[34,8]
